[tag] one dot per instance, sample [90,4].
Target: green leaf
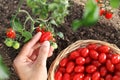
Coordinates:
[115,3]
[4,74]
[60,34]
[90,16]
[53,22]
[16,25]
[27,35]
[52,6]
[76,24]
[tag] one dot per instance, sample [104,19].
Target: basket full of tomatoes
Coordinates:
[87,60]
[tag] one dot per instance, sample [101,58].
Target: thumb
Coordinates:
[43,54]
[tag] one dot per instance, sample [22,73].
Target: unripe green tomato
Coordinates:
[54,45]
[16,45]
[8,42]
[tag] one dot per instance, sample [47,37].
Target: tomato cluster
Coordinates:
[93,62]
[46,36]
[105,10]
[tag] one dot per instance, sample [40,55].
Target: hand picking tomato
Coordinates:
[10,33]
[46,36]
[93,62]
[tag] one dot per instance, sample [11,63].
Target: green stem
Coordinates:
[19,6]
[29,17]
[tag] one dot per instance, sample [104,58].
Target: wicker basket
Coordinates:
[74,46]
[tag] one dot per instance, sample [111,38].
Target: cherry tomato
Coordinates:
[102,58]
[92,46]
[66,76]
[117,73]
[96,76]
[38,29]
[102,12]
[116,77]
[103,49]
[91,68]
[10,33]
[84,52]
[117,66]
[87,60]
[80,60]
[109,55]
[74,55]
[58,75]
[63,62]
[108,77]
[46,36]
[108,15]
[61,69]
[110,67]
[96,63]
[79,69]
[115,59]
[78,76]
[103,71]
[93,54]
[70,66]
[87,77]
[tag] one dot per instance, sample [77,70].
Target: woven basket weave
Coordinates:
[74,46]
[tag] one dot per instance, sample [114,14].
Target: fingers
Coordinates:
[43,54]
[27,47]
[50,51]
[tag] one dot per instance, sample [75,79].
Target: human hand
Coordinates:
[30,64]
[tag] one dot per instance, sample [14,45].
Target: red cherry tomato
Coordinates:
[96,76]
[103,49]
[63,62]
[70,66]
[91,68]
[66,76]
[102,58]
[46,36]
[108,15]
[115,59]
[38,29]
[84,52]
[58,75]
[109,55]
[78,76]
[10,33]
[102,12]
[79,69]
[87,60]
[117,73]
[103,71]
[117,67]
[87,78]
[61,69]
[110,67]
[92,46]
[96,63]
[116,77]
[80,60]
[93,54]
[108,77]
[74,55]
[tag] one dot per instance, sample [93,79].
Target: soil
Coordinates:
[105,30]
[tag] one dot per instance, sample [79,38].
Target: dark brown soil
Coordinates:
[105,30]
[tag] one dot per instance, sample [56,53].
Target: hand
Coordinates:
[30,64]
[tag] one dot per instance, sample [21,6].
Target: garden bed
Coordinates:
[105,30]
